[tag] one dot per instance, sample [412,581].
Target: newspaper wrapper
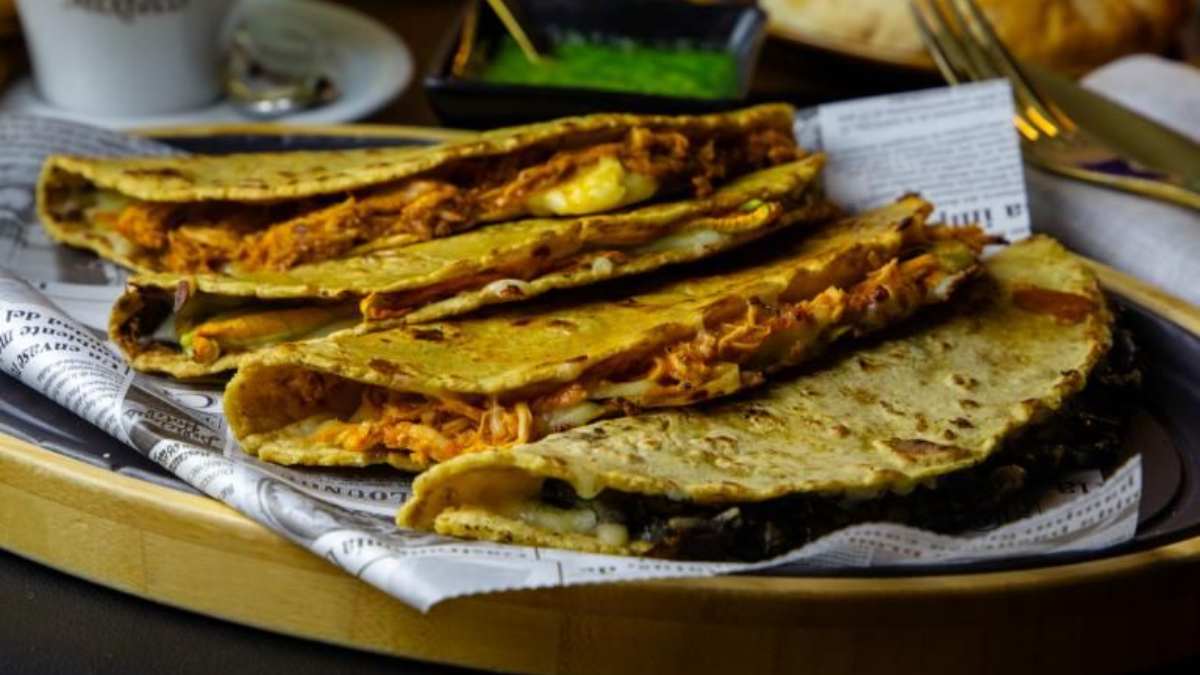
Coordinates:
[956,146]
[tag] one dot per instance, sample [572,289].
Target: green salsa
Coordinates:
[621,65]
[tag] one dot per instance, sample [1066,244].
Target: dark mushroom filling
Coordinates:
[1085,434]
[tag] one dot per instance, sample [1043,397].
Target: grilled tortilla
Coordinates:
[277,211]
[413,395]
[191,325]
[914,410]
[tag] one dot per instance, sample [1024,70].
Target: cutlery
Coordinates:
[1064,128]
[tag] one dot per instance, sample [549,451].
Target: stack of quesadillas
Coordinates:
[632,334]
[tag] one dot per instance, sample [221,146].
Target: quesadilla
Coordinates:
[929,426]
[192,325]
[277,211]
[413,395]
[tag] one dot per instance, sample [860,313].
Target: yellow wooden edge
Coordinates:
[22,463]
[198,554]
[432,134]
[1147,295]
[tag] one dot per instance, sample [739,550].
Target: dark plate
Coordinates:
[464,102]
[1165,428]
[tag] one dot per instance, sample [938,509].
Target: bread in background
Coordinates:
[1072,36]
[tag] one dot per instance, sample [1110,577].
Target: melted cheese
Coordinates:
[242,329]
[503,287]
[603,186]
[581,520]
[107,202]
[696,240]
[572,416]
[613,534]
[539,514]
[602,266]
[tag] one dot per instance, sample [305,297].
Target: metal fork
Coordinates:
[1109,145]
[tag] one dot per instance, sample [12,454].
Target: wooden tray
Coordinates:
[1119,613]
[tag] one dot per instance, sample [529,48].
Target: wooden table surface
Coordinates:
[70,625]
[786,71]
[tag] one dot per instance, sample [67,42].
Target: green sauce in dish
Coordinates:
[620,65]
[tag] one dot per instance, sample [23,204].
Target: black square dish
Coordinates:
[465,101]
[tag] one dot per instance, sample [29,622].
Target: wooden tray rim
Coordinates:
[31,463]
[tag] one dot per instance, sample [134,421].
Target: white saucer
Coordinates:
[371,67]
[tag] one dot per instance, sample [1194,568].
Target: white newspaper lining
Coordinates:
[956,147]
[345,517]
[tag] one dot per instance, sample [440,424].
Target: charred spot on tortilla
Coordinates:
[866,364]
[758,413]
[165,172]
[382,366]
[428,334]
[921,450]
[964,382]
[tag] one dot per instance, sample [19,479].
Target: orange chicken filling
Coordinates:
[394,304]
[732,354]
[208,237]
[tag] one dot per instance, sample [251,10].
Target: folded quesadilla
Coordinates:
[276,211]
[414,395]
[930,426]
[191,325]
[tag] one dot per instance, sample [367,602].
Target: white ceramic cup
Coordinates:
[125,57]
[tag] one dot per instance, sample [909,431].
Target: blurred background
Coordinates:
[424,62]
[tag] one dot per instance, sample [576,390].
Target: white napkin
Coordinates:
[1152,240]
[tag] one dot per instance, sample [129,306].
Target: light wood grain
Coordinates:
[1116,614]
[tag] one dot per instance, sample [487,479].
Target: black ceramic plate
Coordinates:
[736,29]
[1165,427]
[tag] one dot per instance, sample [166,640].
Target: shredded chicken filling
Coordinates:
[207,339]
[210,327]
[205,335]
[601,257]
[732,354]
[210,237]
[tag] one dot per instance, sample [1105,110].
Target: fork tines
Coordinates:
[965,47]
